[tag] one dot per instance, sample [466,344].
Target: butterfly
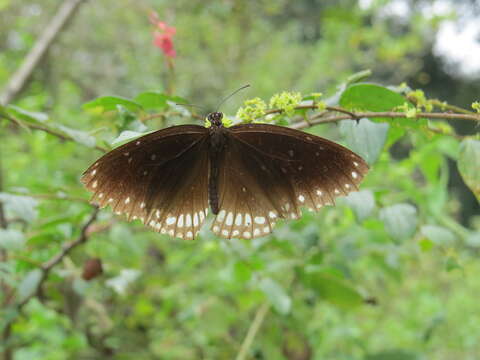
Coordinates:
[249,175]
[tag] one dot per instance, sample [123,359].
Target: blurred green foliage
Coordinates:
[389,273]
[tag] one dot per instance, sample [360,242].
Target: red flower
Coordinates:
[163,36]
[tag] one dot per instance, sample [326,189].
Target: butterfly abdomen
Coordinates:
[216,148]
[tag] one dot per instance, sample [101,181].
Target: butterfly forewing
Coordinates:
[270,172]
[160,178]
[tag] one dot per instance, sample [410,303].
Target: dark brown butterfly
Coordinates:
[251,175]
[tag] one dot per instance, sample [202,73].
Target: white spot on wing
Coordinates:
[221,215]
[248,219]
[95,183]
[225,232]
[355,163]
[189,234]
[272,215]
[138,142]
[259,219]
[238,219]
[195,219]
[235,233]
[229,219]
[301,198]
[247,234]
[188,220]
[142,205]
[94,172]
[266,230]
[215,228]
[157,213]
[171,220]
[180,221]
[291,153]
[127,200]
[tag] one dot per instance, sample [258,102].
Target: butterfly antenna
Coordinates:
[229,96]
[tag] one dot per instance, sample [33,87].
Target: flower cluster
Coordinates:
[286,101]
[419,99]
[253,109]
[476,106]
[163,36]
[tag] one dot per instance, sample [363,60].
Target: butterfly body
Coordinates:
[249,175]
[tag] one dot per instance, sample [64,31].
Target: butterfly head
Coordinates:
[215,118]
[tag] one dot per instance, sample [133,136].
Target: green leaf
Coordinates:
[276,295]
[400,220]
[110,103]
[370,97]
[362,203]
[437,234]
[126,136]
[28,116]
[365,138]
[469,164]
[78,136]
[333,289]
[397,354]
[29,284]
[376,98]
[23,207]
[11,239]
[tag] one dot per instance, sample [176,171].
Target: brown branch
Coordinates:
[321,119]
[22,75]
[66,249]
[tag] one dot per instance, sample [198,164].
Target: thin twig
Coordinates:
[252,330]
[55,25]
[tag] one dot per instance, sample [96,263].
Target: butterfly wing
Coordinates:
[270,172]
[160,178]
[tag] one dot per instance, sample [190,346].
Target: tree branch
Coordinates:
[66,249]
[22,75]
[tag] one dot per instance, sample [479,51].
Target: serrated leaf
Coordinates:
[469,164]
[276,295]
[365,138]
[362,203]
[397,354]
[400,220]
[21,206]
[110,103]
[437,234]
[333,289]
[11,239]
[29,284]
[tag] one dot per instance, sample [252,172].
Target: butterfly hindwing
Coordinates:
[271,172]
[160,178]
